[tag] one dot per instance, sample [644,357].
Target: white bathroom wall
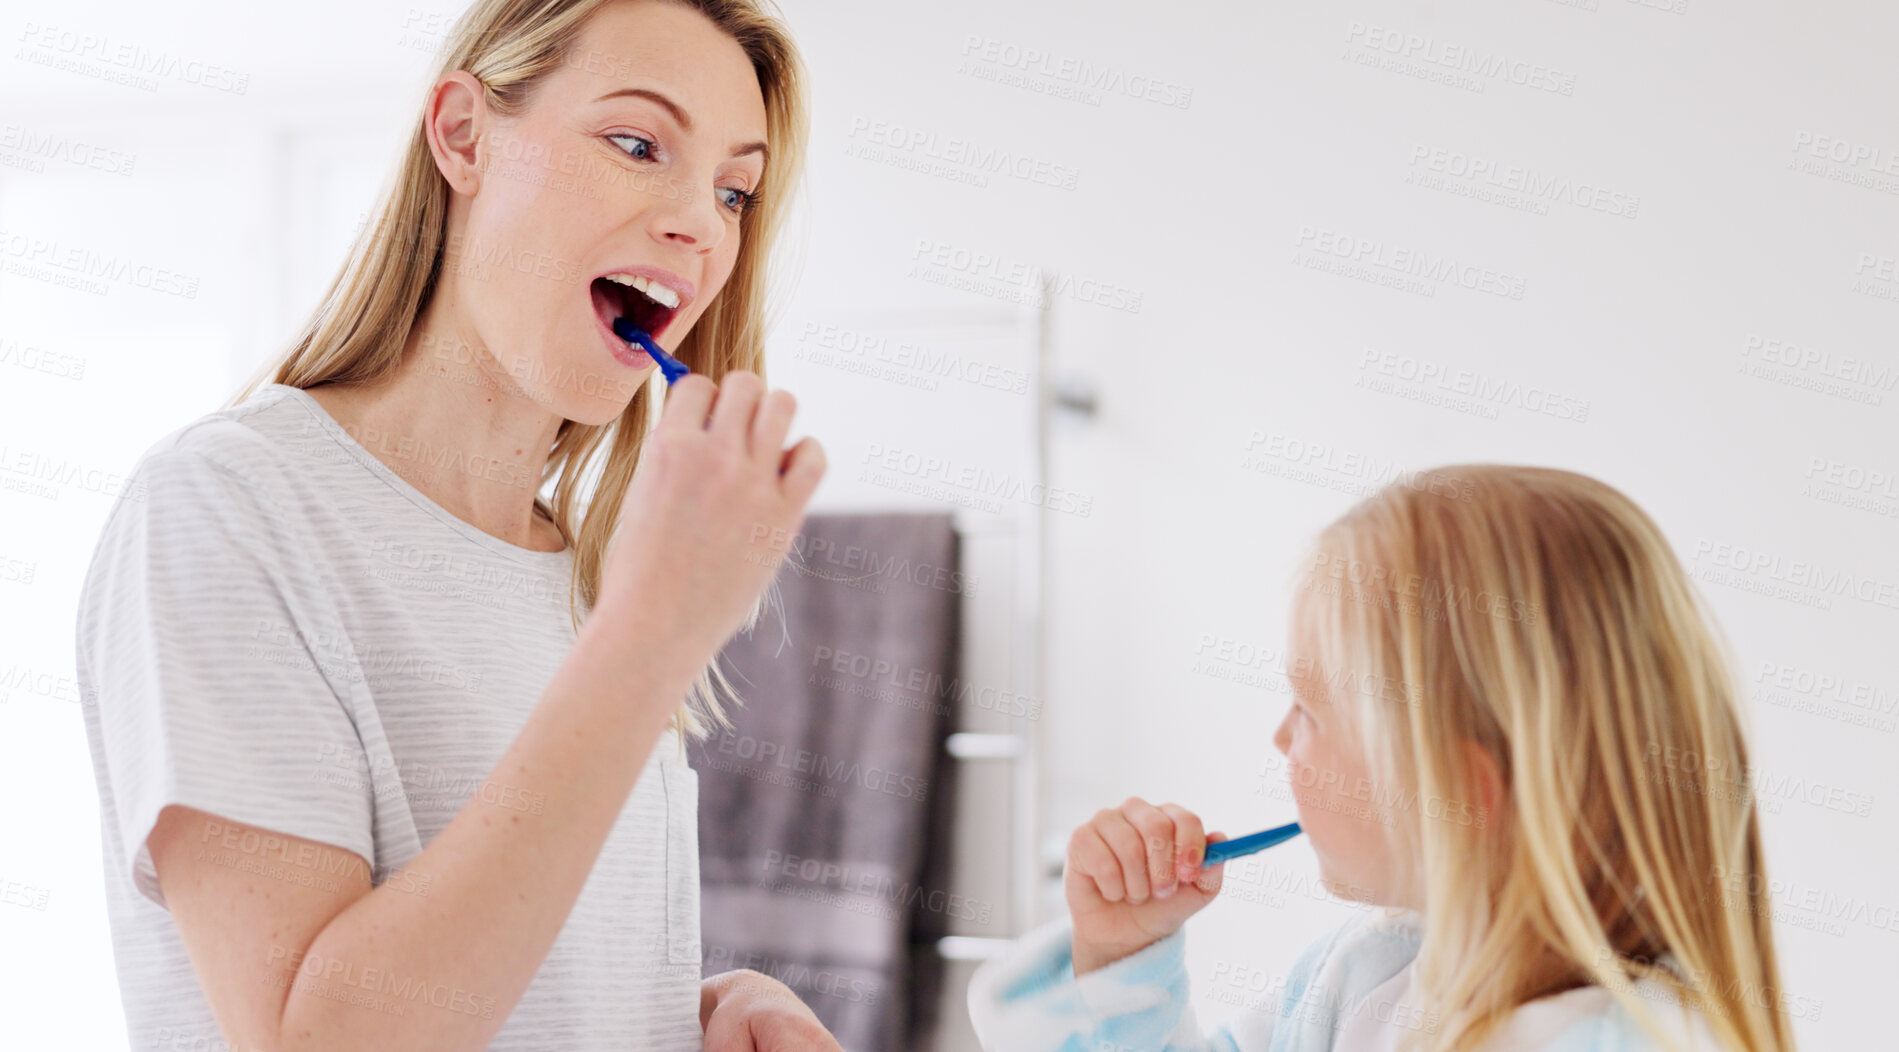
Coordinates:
[1657,243]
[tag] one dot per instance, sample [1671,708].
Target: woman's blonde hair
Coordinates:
[358,333]
[1542,616]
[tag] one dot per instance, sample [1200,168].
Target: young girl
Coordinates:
[1515,738]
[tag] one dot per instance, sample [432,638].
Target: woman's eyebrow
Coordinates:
[680,115]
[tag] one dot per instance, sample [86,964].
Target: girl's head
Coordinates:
[560,141]
[1514,715]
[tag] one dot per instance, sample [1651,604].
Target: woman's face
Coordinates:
[634,158]
[1343,808]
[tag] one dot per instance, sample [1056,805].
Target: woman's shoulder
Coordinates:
[246,441]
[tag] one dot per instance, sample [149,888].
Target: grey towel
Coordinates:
[822,819]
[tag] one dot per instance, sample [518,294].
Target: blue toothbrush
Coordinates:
[1226,850]
[669,366]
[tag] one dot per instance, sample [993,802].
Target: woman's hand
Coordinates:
[710,513]
[746,1011]
[1133,878]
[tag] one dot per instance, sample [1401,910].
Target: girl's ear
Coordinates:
[1487,778]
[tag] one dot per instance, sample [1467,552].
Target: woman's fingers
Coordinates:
[739,394]
[802,469]
[772,424]
[687,403]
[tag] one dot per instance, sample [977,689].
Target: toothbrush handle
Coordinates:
[1226,850]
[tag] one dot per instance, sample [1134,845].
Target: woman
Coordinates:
[389,748]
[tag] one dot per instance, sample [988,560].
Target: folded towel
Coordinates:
[819,809]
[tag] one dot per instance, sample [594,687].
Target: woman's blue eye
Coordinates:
[645,154]
[737,200]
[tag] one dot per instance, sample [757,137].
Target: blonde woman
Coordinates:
[389,746]
[1497,674]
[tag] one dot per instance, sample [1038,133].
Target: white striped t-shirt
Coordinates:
[279,629]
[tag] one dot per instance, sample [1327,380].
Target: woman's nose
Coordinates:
[689,219]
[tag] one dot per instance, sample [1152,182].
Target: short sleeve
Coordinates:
[219,670]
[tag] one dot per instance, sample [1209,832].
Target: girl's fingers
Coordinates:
[1208,880]
[1095,860]
[1157,840]
[1128,846]
[1190,842]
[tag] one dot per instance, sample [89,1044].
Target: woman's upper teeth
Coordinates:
[654,291]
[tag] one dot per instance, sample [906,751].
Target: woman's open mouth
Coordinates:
[645,302]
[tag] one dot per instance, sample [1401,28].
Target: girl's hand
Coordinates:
[710,514]
[746,1011]
[1133,878]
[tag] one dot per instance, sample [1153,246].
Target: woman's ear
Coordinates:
[453,125]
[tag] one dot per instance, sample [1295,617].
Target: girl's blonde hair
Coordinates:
[1542,616]
[358,333]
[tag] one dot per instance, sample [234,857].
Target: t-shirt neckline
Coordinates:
[336,431]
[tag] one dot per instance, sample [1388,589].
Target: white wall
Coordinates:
[1751,146]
